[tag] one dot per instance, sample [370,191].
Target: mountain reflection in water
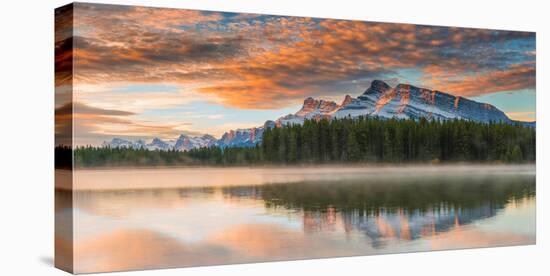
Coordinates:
[360,215]
[409,209]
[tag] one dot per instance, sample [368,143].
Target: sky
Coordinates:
[143,72]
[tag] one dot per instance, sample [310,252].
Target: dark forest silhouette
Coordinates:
[358,140]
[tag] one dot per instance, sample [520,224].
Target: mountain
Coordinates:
[122,143]
[185,142]
[403,101]
[158,144]
[410,102]
[244,137]
[311,109]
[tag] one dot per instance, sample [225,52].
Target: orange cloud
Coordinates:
[270,61]
[515,77]
[526,116]
[90,121]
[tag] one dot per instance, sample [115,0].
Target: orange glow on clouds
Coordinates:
[255,62]
[263,62]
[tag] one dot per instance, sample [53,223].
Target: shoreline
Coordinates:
[201,177]
[306,166]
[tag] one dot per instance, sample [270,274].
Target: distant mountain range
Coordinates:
[380,100]
[183,143]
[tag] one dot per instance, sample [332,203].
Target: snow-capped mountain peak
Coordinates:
[403,101]
[347,100]
[186,142]
[377,87]
[183,143]
[158,144]
[119,143]
[313,107]
[410,102]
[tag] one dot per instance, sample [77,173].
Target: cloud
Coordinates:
[83,109]
[526,116]
[215,116]
[94,128]
[266,62]
[64,32]
[93,123]
[514,77]
[166,59]
[138,97]
[138,18]
[70,116]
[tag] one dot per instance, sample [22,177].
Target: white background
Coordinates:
[26,135]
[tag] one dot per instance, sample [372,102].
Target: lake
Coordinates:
[174,217]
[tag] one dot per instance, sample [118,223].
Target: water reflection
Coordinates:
[383,209]
[175,227]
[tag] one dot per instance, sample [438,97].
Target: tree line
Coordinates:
[357,140]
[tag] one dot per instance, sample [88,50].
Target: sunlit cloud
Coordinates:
[94,123]
[267,61]
[117,95]
[262,62]
[215,116]
[515,77]
[527,116]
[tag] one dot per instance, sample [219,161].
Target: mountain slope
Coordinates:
[183,143]
[244,137]
[314,109]
[186,142]
[403,101]
[381,100]
[410,102]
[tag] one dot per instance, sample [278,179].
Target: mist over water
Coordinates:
[284,214]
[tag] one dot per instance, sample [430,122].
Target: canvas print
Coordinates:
[191,138]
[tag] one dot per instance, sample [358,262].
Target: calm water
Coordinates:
[285,214]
